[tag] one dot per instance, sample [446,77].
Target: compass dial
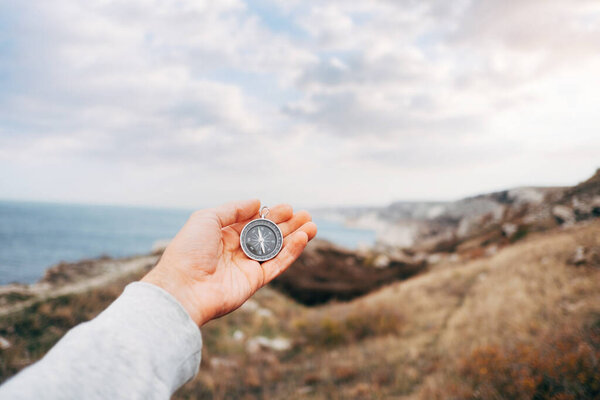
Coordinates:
[261,239]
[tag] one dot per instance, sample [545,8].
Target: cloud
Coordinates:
[133,80]
[246,95]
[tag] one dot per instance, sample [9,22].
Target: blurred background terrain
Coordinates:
[500,301]
[446,151]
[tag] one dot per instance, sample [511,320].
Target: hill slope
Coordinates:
[481,329]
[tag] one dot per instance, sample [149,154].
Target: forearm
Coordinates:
[144,346]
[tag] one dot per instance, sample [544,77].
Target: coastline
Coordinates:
[325,271]
[71,278]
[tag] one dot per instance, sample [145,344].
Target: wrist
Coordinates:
[179,291]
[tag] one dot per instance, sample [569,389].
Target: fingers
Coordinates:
[293,247]
[283,212]
[233,212]
[297,220]
[310,228]
[278,214]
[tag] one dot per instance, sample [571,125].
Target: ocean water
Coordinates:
[34,236]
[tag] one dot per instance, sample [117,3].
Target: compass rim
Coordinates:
[270,224]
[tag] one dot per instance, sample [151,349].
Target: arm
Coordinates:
[143,346]
[147,343]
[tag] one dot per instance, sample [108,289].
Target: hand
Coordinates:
[206,270]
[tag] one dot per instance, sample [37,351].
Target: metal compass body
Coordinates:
[261,239]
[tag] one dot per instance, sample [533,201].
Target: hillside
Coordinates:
[495,218]
[523,322]
[496,297]
[426,337]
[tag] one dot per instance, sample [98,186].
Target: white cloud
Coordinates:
[371,100]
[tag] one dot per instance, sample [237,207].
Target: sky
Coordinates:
[316,103]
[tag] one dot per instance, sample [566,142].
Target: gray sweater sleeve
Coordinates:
[143,346]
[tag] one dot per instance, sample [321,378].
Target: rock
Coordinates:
[466,226]
[585,256]
[261,342]
[250,306]
[579,256]
[264,312]
[434,258]
[491,250]
[454,258]
[563,214]
[584,198]
[381,261]
[527,195]
[304,390]
[238,335]
[220,362]
[509,229]
[4,343]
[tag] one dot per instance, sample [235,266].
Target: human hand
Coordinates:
[206,270]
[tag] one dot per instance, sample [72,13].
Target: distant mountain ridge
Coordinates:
[433,226]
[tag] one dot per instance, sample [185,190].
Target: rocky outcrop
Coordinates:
[586,256]
[66,272]
[584,199]
[473,224]
[325,272]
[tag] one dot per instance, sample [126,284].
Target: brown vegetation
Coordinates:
[562,366]
[523,323]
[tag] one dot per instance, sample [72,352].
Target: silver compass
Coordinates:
[261,239]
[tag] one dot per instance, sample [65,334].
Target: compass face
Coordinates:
[261,239]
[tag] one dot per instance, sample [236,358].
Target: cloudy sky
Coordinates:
[190,103]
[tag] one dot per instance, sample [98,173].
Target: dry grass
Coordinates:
[519,324]
[562,365]
[405,340]
[337,325]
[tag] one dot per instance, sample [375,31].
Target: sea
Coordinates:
[35,236]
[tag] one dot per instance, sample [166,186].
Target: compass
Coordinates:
[261,239]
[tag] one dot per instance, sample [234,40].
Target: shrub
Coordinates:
[565,366]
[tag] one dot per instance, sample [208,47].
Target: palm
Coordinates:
[237,275]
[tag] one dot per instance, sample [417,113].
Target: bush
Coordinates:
[565,366]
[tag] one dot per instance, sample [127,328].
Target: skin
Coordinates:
[205,269]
